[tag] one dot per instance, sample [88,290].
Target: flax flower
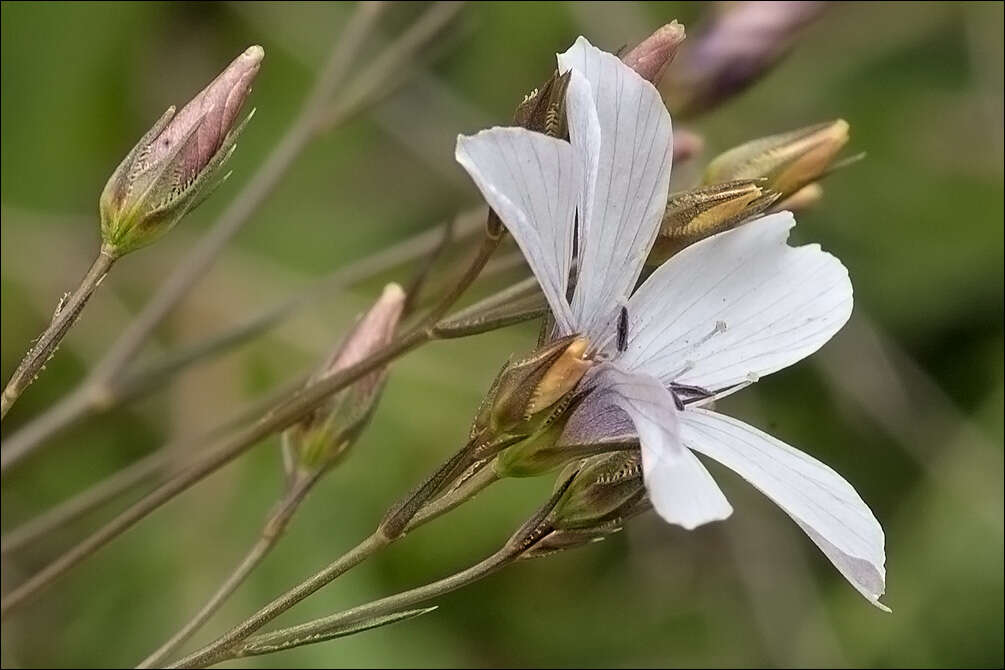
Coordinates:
[718,316]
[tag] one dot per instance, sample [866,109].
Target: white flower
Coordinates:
[719,315]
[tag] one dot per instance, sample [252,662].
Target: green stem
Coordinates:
[273,529]
[45,346]
[284,414]
[317,630]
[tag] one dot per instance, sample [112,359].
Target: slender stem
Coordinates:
[316,630]
[166,460]
[91,399]
[45,346]
[357,555]
[273,529]
[199,260]
[467,490]
[282,415]
[337,568]
[396,57]
[531,532]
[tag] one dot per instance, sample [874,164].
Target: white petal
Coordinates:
[630,170]
[680,488]
[531,181]
[824,505]
[736,306]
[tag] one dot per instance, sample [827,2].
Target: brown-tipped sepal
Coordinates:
[694,215]
[787,161]
[543,109]
[604,489]
[528,386]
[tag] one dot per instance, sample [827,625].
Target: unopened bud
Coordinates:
[686,145]
[573,538]
[732,52]
[605,487]
[528,386]
[653,54]
[170,171]
[325,434]
[694,215]
[788,161]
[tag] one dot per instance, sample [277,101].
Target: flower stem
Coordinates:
[227,647]
[91,399]
[198,261]
[165,461]
[352,558]
[341,565]
[282,415]
[273,529]
[45,346]
[312,631]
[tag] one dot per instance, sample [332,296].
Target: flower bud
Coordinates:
[573,538]
[526,387]
[694,215]
[653,54]
[788,161]
[168,173]
[686,145]
[323,436]
[604,489]
[735,50]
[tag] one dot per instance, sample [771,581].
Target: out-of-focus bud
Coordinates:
[694,215]
[653,54]
[802,199]
[788,161]
[324,436]
[603,490]
[686,145]
[171,170]
[740,45]
[526,387]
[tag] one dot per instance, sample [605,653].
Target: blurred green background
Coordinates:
[906,402]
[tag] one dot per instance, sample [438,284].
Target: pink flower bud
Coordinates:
[652,56]
[166,174]
[330,430]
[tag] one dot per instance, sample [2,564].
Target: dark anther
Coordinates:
[623,329]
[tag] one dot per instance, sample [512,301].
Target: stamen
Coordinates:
[623,329]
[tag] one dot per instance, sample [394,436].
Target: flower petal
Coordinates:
[630,177]
[824,505]
[735,307]
[680,488]
[531,181]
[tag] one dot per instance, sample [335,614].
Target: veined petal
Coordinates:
[531,181]
[595,421]
[824,505]
[735,307]
[629,179]
[680,488]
